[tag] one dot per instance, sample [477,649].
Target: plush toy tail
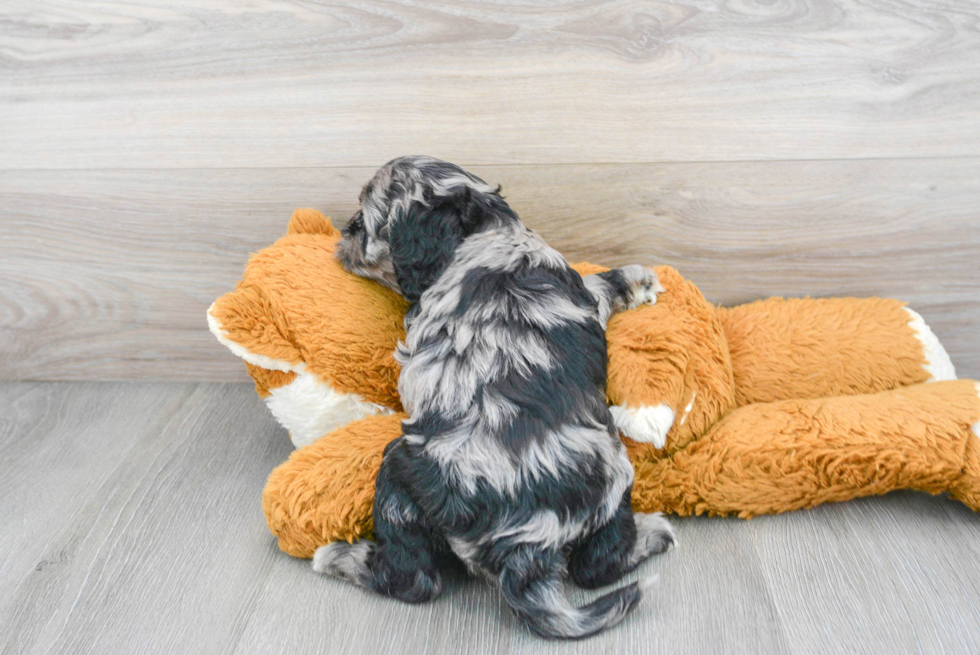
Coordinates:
[773,457]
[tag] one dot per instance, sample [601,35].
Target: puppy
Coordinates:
[510,459]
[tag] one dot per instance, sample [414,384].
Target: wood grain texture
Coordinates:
[145,531]
[889,571]
[108,274]
[57,456]
[132,524]
[148,84]
[720,563]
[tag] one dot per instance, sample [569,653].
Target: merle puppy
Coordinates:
[509,460]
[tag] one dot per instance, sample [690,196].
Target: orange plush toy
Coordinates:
[771,406]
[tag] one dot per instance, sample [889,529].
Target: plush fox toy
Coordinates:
[761,408]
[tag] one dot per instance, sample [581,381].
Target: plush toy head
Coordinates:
[318,341]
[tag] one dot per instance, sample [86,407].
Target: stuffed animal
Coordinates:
[766,407]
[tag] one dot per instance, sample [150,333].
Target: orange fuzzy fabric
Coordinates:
[267,379]
[774,457]
[675,352]
[324,492]
[803,348]
[341,327]
[760,459]
[777,405]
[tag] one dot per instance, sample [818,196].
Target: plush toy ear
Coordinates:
[310,221]
[424,238]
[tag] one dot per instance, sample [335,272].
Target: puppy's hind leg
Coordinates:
[619,546]
[623,288]
[400,562]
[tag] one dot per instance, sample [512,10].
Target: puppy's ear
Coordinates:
[474,210]
[422,245]
[424,240]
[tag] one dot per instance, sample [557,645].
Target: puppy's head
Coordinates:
[414,213]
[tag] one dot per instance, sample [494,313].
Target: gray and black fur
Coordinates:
[510,460]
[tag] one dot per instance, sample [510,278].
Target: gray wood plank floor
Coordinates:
[132,524]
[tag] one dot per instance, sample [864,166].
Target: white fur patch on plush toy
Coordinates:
[938,364]
[648,424]
[307,407]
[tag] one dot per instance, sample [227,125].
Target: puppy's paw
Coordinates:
[654,534]
[343,560]
[643,284]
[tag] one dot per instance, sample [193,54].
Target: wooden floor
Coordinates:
[131,524]
[762,147]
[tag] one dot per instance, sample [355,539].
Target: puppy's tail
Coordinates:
[532,586]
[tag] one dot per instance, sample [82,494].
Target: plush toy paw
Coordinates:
[644,285]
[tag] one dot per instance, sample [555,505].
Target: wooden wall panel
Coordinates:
[108,274]
[270,83]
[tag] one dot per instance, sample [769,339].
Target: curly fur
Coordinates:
[510,459]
